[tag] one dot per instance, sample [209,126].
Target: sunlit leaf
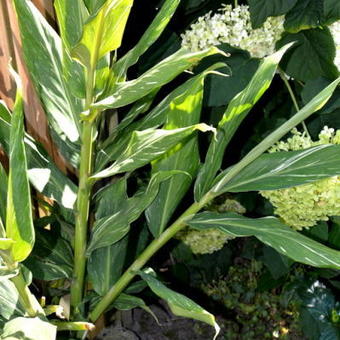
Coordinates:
[274,233]
[147,145]
[236,112]
[103,32]
[179,304]
[19,219]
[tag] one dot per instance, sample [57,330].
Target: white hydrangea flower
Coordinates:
[335,30]
[304,205]
[233,26]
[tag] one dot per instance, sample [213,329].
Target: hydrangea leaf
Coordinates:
[331,11]
[305,14]
[312,56]
[260,10]
[274,233]
[179,304]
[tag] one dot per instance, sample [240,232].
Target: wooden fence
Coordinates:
[10,51]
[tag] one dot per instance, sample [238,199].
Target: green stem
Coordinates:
[143,258]
[26,298]
[292,96]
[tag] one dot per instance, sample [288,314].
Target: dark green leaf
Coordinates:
[128,92]
[179,304]
[236,111]
[184,110]
[280,170]
[331,11]
[43,56]
[260,10]
[29,329]
[108,230]
[274,233]
[51,258]
[147,145]
[312,56]
[305,14]
[19,219]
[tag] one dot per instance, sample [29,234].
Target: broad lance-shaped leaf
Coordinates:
[179,304]
[128,92]
[19,219]
[29,329]
[314,105]
[51,258]
[148,38]
[105,264]
[115,145]
[183,111]
[274,233]
[236,111]
[147,145]
[71,17]
[42,49]
[9,300]
[42,172]
[3,195]
[285,169]
[103,32]
[111,229]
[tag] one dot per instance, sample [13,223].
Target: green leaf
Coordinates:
[3,198]
[5,243]
[331,11]
[280,170]
[42,50]
[51,258]
[237,110]
[179,304]
[312,56]
[71,17]
[184,110]
[314,105]
[19,219]
[305,14]
[147,145]
[103,32]
[148,38]
[111,229]
[42,172]
[274,233]
[9,300]
[115,145]
[105,264]
[29,329]
[125,93]
[260,10]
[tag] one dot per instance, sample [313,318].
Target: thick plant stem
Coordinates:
[27,300]
[82,213]
[143,258]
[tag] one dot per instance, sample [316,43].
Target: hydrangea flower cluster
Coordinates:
[304,205]
[335,30]
[233,26]
[210,240]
